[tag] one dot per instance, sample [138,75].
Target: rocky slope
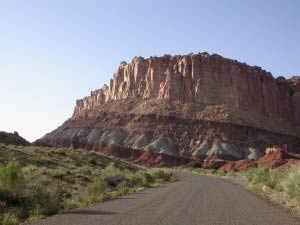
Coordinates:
[192,107]
[278,158]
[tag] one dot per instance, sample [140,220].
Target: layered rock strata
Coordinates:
[201,78]
[196,107]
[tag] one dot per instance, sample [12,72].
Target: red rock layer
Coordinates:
[295,83]
[196,107]
[204,78]
[278,159]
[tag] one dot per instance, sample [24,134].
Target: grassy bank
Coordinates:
[282,187]
[36,182]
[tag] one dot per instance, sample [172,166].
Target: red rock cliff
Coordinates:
[204,78]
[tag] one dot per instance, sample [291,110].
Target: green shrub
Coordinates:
[93,162]
[148,178]
[287,181]
[123,188]
[45,200]
[212,167]
[111,170]
[293,182]
[162,175]
[97,187]
[10,219]
[257,188]
[138,179]
[70,204]
[268,177]
[196,165]
[59,175]
[11,183]
[36,213]
[11,173]
[94,192]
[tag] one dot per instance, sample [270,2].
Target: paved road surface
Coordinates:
[193,200]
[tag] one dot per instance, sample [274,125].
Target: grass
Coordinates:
[10,219]
[282,187]
[36,182]
[264,176]
[292,182]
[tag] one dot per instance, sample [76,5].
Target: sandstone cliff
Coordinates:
[201,78]
[196,107]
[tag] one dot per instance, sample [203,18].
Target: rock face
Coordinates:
[295,92]
[198,107]
[201,78]
[12,138]
[276,157]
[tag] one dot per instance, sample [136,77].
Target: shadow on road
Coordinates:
[90,212]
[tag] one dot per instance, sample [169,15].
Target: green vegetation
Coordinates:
[36,182]
[282,187]
[293,182]
[10,219]
[265,177]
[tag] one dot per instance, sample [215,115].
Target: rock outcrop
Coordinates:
[12,138]
[198,107]
[295,92]
[275,157]
[201,78]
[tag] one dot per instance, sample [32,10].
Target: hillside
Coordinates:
[39,181]
[193,107]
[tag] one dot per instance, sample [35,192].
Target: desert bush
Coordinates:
[59,174]
[280,186]
[71,204]
[212,167]
[93,162]
[139,179]
[196,165]
[111,170]
[265,176]
[10,219]
[11,183]
[123,188]
[162,175]
[11,173]
[293,182]
[36,213]
[143,179]
[44,200]
[94,192]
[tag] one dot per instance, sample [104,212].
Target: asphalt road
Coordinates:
[193,200]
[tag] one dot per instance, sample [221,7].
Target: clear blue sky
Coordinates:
[54,52]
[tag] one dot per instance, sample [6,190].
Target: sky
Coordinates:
[53,52]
